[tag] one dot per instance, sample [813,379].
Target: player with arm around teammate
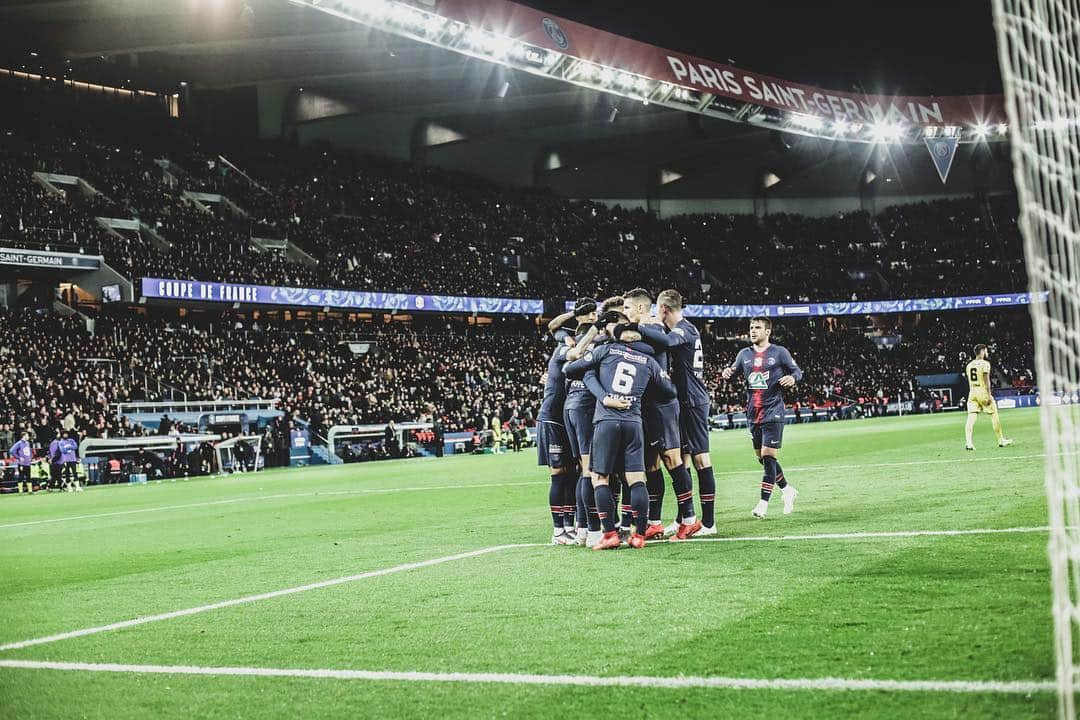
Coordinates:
[578,412]
[664,430]
[553,449]
[769,370]
[624,375]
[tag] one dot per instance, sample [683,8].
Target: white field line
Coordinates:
[261,596]
[276,496]
[1023,687]
[381,491]
[871,535]
[475,553]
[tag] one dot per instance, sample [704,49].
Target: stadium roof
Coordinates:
[506,123]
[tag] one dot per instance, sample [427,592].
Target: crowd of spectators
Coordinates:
[62,370]
[60,375]
[371,224]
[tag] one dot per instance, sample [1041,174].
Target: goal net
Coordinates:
[1039,48]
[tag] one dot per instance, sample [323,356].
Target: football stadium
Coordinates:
[478,358]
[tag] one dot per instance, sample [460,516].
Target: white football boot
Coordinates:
[789,493]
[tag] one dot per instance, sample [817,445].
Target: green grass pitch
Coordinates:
[972,607]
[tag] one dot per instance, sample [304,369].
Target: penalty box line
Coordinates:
[261,596]
[471,554]
[1023,687]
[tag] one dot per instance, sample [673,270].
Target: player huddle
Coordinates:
[625,399]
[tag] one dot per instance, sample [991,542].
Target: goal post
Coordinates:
[1039,50]
[229,461]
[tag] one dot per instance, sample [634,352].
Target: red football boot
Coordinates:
[652,531]
[609,541]
[686,531]
[637,541]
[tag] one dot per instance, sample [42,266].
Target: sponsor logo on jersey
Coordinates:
[758,380]
[757,362]
[632,357]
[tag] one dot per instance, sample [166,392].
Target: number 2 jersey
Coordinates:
[763,370]
[623,372]
[685,359]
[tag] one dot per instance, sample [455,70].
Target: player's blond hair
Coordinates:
[671,299]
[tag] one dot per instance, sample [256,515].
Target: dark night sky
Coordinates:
[915,47]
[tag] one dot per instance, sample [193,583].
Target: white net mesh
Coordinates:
[1039,47]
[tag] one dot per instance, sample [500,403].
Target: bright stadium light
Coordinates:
[1002,129]
[499,45]
[981,131]
[884,132]
[809,122]
[433,25]
[841,127]
[475,37]
[607,76]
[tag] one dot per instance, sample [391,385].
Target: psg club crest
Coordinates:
[942,152]
[556,34]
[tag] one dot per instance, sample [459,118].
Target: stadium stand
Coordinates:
[368,224]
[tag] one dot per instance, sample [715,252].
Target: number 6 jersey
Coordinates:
[763,370]
[625,373]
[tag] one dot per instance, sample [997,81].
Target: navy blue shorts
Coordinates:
[694,423]
[579,429]
[770,434]
[615,441]
[662,427]
[552,445]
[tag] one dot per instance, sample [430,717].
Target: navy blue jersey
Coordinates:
[686,361]
[578,396]
[763,370]
[623,372]
[551,409]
